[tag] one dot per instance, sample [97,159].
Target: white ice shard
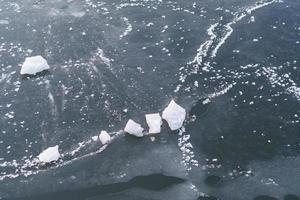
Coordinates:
[34,65]
[49,155]
[95,138]
[174,114]
[154,122]
[104,137]
[134,128]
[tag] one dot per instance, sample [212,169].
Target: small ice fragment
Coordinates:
[33,65]
[154,122]
[206,101]
[104,137]
[174,114]
[134,128]
[49,155]
[95,138]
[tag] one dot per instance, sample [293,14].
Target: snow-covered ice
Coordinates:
[104,137]
[175,115]
[154,122]
[49,155]
[34,65]
[134,128]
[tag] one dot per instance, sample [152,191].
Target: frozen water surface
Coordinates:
[232,65]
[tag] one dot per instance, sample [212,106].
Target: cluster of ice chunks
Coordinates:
[104,137]
[174,114]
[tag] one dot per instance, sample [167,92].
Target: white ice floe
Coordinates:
[134,128]
[154,122]
[34,65]
[174,114]
[49,155]
[104,137]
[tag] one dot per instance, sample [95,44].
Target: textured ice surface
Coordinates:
[104,137]
[33,65]
[154,122]
[99,80]
[134,128]
[174,114]
[49,155]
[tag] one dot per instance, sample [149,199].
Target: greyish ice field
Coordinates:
[223,74]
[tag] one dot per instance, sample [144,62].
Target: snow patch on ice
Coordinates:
[216,39]
[187,150]
[128,28]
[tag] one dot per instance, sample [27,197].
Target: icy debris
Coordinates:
[95,138]
[33,65]
[154,122]
[134,128]
[174,114]
[49,155]
[104,137]
[206,101]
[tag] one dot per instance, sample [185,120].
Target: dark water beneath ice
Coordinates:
[115,60]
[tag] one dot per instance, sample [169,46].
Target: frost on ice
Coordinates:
[134,128]
[34,65]
[104,137]
[154,122]
[174,114]
[49,155]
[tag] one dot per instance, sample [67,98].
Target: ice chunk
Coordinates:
[154,122]
[33,65]
[134,128]
[95,138]
[174,114]
[104,137]
[49,155]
